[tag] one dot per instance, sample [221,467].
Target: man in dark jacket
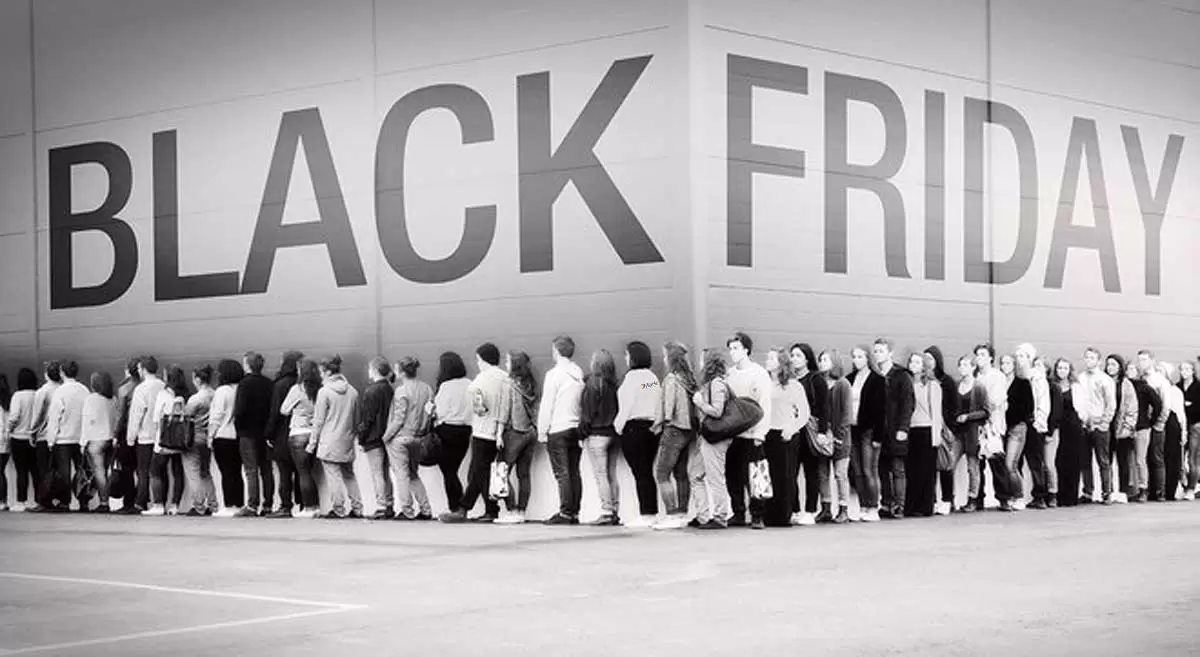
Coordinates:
[898,410]
[277,435]
[251,411]
[371,424]
[1150,405]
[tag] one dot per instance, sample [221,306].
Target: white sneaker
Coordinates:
[869,515]
[17,507]
[941,509]
[1119,498]
[511,518]
[306,513]
[670,522]
[807,519]
[155,510]
[172,510]
[227,512]
[642,522]
[3,506]
[1018,505]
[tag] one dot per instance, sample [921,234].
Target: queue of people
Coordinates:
[724,445]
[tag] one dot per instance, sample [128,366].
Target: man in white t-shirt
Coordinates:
[750,380]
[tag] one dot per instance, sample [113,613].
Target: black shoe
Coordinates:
[383,514]
[560,519]
[971,507]
[102,509]
[355,515]
[885,513]
[714,524]
[825,516]
[266,512]
[485,518]
[281,513]
[737,520]
[694,523]
[1086,499]
[1052,503]
[1006,507]
[129,511]
[757,523]
[843,516]
[1038,505]
[193,513]
[898,514]
[424,517]
[1138,498]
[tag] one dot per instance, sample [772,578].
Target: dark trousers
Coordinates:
[1156,458]
[126,457]
[737,477]
[983,471]
[1035,455]
[295,474]
[640,446]
[159,467]
[62,458]
[455,439]
[921,470]
[24,458]
[777,511]
[1172,457]
[811,463]
[1096,442]
[144,455]
[865,461]
[483,452]
[229,463]
[4,478]
[1072,455]
[565,452]
[257,469]
[1123,448]
[43,463]
[290,488]
[518,454]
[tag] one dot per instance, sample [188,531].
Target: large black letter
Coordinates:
[168,284]
[1083,140]
[332,229]
[543,174]
[479,229]
[64,224]
[976,268]
[743,157]
[840,175]
[1153,206]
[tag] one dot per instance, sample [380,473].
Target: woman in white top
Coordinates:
[223,435]
[173,398]
[1175,438]
[638,400]
[789,413]
[298,405]
[452,422]
[197,461]
[99,429]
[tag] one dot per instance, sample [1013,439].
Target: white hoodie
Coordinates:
[562,391]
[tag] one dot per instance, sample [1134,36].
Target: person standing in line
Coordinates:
[484,393]
[277,435]
[332,439]
[935,367]
[1067,422]
[868,395]
[925,429]
[21,437]
[142,434]
[174,395]
[815,466]
[675,422]
[298,406]
[407,423]
[452,422]
[518,433]
[251,410]
[707,470]
[5,440]
[64,433]
[1008,367]
[1124,425]
[1097,408]
[1156,452]
[1150,406]
[1058,469]
[223,435]
[899,405]
[747,379]
[99,422]
[972,416]
[597,415]
[1042,471]
[1173,445]
[996,384]
[41,431]
[372,424]
[1191,405]
[789,414]
[197,461]
[558,427]
[840,417]
[1022,406]
[638,401]
[124,454]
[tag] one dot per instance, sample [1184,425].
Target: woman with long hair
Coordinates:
[597,412]
[675,424]
[1174,401]
[789,414]
[407,423]
[277,434]
[868,397]
[332,439]
[1191,403]
[1071,444]
[1008,367]
[172,397]
[223,435]
[706,468]
[298,406]
[197,461]
[814,465]
[21,435]
[99,430]
[935,365]
[518,433]
[973,413]
[1055,467]
[833,370]
[924,436]
[638,401]
[1124,425]
[452,422]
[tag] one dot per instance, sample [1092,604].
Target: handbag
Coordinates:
[498,484]
[820,443]
[178,431]
[945,451]
[760,480]
[739,415]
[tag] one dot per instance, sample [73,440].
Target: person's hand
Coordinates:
[758,443]
[901,436]
[698,398]
[429,406]
[961,418]
[788,438]
[543,438]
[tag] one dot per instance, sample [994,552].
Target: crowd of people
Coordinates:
[894,431]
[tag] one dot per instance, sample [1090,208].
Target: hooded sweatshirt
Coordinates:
[561,397]
[334,414]
[299,409]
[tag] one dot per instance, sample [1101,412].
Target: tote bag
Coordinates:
[178,431]
[498,481]
[760,480]
[740,414]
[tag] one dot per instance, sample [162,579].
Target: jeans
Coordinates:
[640,446]
[455,439]
[256,465]
[1141,464]
[229,464]
[343,488]
[1096,441]
[1050,458]
[404,459]
[1157,465]
[921,472]
[145,460]
[841,475]
[197,472]
[1035,453]
[737,478]
[946,477]
[158,478]
[672,459]
[866,452]
[99,453]
[1172,457]
[706,471]
[381,476]
[518,454]
[602,454]
[24,458]
[288,482]
[1193,456]
[816,472]
[297,464]
[565,452]
[63,456]
[1014,447]
[777,511]
[483,452]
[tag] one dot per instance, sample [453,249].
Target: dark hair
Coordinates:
[382,367]
[332,364]
[743,339]
[102,384]
[229,372]
[714,366]
[203,374]
[640,357]
[489,352]
[177,381]
[410,366]
[1121,365]
[310,378]
[70,369]
[885,342]
[785,374]
[678,364]
[450,367]
[1070,376]
[131,366]
[565,346]
[5,392]
[1146,352]
[254,361]
[985,345]
[287,366]
[810,357]
[54,371]
[521,373]
[149,363]
[604,367]
[26,379]
[838,369]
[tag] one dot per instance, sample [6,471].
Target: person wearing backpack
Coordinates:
[484,393]
[251,410]
[99,429]
[407,422]
[197,461]
[518,434]
[171,420]
[298,407]
[750,380]
[142,431]
[707,470]
[332,440]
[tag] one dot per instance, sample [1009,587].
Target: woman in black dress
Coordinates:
[1070,432]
